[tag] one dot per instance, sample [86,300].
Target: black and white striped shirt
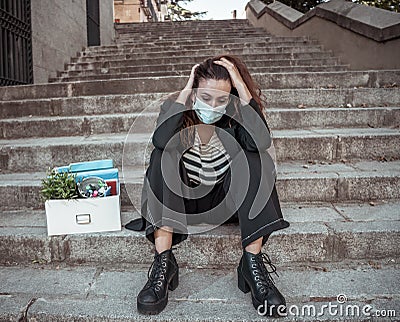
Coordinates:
[206,163]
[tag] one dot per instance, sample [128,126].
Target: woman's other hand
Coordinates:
[188,88]
[237,80]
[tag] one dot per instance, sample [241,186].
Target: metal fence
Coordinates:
[15,42]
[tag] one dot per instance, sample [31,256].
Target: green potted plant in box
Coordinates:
[59,185]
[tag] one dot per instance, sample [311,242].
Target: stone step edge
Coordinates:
[153,113]
[330,241]
[121,55]
[97,66]
[108,293]
[307,169]
[118,72]
[126,51]
[311,91]
[372,78]
[187,57]
[115,76]
[143,137]
[212,42]
[201,39]
[201,33]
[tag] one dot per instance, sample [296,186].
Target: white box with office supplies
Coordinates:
[95,207]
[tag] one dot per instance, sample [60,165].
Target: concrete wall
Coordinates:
[59,32]
[352,41]
[107,31]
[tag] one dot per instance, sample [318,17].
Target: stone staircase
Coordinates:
[337,139]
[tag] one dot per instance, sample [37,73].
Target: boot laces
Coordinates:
[265,277]
[158,270]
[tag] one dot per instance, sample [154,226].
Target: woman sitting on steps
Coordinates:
[210,165]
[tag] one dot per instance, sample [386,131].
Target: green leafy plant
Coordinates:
[59,185]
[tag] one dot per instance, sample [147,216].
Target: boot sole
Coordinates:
[152,308]
[245,288]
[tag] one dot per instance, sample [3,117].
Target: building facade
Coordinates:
[39,37]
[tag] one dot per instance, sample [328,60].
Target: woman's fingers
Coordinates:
[191,77]
[233,72]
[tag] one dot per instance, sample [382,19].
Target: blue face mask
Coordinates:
[208,114]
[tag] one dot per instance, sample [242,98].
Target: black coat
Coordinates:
[248,131]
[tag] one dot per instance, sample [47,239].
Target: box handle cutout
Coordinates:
[83,219]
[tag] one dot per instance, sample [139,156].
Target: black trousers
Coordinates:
[268,220]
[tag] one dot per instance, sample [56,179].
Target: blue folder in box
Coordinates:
[108,175]
[99,168]
[91,165]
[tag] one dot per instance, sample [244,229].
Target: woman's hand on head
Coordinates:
[191,77]
[188,88]
[236,78]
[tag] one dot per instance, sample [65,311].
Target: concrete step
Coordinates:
[246,48]
[277,80]
[186,29]
[286,89]
[205,44]
[313,181]
[172,70]
[108,293]
[121,54]
[278,119]
[138,26]
[36,154]
[293,99]
[184,35]
[188,39]
[185,62]
[317,233]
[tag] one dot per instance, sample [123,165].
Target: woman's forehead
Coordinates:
[214,87]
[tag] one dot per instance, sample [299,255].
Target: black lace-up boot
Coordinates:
[253,276]
[153,297]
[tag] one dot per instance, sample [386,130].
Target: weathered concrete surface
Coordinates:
[330,145]
[300,99]
[297,182]
[278,119]
[362,36]
[109,294]
[167,84]
[318,233]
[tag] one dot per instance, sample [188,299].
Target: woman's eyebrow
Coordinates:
[223,96]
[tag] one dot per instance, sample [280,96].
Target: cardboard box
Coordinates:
[83,215]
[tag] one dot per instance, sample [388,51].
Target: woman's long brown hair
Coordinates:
[209,70]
